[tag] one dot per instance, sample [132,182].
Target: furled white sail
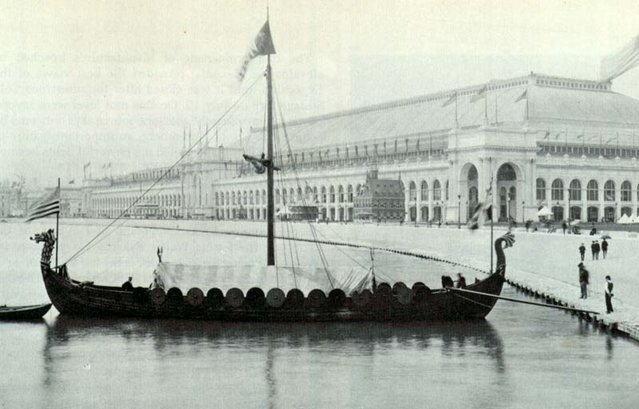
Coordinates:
[265,277]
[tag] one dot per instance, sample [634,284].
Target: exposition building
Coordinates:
[520,144]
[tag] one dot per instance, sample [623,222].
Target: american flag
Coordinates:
[48,206]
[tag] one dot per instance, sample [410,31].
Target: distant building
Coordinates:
[379,199]
[15,199]
[538,140]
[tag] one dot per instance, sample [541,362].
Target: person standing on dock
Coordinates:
[584,277]
[592,249]
[597,250]
[609,286]
[604,248]
[582,251]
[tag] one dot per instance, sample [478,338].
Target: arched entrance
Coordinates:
[468,190]
[507,192]
[413,213]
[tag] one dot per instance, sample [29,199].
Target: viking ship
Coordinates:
[368,301]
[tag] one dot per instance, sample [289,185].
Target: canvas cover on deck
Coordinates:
[185,277]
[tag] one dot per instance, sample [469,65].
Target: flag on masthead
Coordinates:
[46,207]
[262,45]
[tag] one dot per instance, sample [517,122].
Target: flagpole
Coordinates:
[270,208]
[57,228]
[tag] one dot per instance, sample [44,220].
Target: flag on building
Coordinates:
[522,96]
[479,95]
[547,135]
[48,206]
[71,182]
[262,45]
[451,99]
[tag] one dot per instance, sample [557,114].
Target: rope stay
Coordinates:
[293,162]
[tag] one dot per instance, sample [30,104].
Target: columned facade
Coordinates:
[535,141]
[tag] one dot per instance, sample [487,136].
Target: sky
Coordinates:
[120,82]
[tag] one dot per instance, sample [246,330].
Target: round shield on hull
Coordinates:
[316,298]
[214,298]
[294,299]
[420,292]
[174,296]
[275,298]
[194,297]
[234,297]
[158,296]
[255,297]
[363,298]
[336,298]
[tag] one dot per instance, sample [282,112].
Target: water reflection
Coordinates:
[359,344]
[368,337]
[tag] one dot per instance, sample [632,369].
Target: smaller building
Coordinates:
[379,199]
[71,202]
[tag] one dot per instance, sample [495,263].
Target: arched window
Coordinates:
[626,191]
[592,191]
[541,189]
[557,190]
[437,190]
[609,191]
[424,191]
[413,192]
[447,184]
[575,190]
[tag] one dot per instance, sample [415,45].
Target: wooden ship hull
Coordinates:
[400,303]
[27,312]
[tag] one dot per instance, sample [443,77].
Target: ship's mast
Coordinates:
[270,208]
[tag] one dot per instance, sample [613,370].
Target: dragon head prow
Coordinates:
[508,239]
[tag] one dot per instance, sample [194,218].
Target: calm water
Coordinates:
[520,357]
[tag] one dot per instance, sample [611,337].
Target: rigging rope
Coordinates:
[297,179]
[86,247]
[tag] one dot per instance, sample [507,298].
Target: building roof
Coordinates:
[554,103]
